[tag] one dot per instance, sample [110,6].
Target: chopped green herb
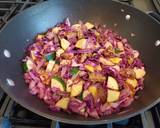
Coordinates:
[74,71]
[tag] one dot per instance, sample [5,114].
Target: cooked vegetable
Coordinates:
[67,56]
[50,66]
[59,52]
[120,46]
[101,94]
[117,50]
[74,71]
[85,93]
[24,65]
[98,68]
[33,55]
[93,90]
[39,37]
[132,82]
[76,26]
[68,86]
[64,43]
[83,68]
[112,83]
[81,96]
[112,95]
[115,60]
[57,82]
[56,29]
[105,61]
[29,64]
[82,44]
[63,103]
[65,62]
[89,67]
[57,62]
[77,88]
[89,25]
[50,56]
[96,77]
[139,72]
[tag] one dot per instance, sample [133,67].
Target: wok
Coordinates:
[140,29]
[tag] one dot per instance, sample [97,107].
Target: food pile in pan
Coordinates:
[83,68]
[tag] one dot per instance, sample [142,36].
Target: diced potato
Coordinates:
[105,61]
[89,25]
[77,89]
[140,73]
[96,77]
[59,52]
[115,60]
[89,67]
[29,64]
[64,43]
[93,90]
[50,66]
[56,30]
[112,83]
[132,82]
[82,44]
[85,93]
[63,103]
[120,46]
[113,95]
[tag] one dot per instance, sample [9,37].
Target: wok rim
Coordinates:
[66,120]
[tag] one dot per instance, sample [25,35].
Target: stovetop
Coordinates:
[12,115]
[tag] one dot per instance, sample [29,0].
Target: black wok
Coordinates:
[141,30]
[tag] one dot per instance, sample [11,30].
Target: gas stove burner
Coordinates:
[157,5]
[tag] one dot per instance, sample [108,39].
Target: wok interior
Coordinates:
[19,33]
